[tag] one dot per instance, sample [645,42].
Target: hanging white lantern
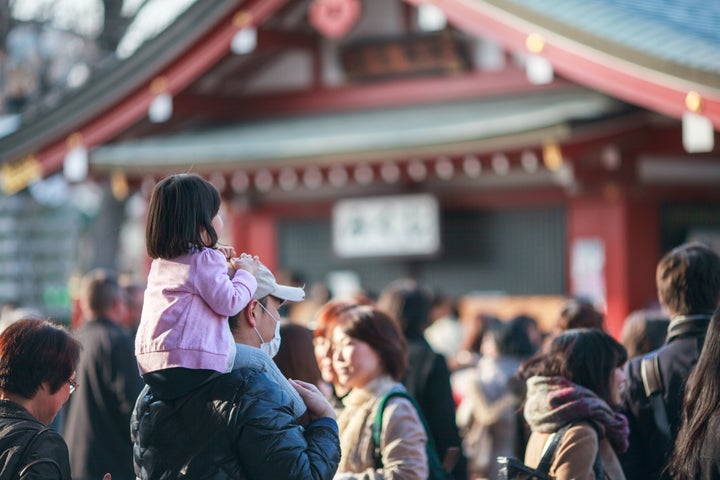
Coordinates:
[417,170]
[244,41]
[264,180]
[444,168]
[363,174]
[337,176]
[500,164]
[76,163]
[161,108]
[390,172]
[697,130]
[538,69]
[472,166]
[431,18]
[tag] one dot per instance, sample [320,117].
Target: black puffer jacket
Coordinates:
[234,426]
[47,456]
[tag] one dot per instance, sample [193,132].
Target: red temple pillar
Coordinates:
[255,232]
[623,231]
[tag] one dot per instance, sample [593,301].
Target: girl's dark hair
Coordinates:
[33,351]
[585,356]
[702,400]
[182,208]
[380,332]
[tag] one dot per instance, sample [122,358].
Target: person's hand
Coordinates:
[107,476]
[317,404]
[226,250]
[246,262]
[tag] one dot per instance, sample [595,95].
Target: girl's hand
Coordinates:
[226,250]
[246,262]
[317,404]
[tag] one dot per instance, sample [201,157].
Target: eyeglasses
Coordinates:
[73,385]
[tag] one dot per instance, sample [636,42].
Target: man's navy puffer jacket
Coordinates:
[235,426]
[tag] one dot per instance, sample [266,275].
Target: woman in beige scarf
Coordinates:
[369,357]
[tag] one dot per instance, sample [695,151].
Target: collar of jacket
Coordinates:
[694,325]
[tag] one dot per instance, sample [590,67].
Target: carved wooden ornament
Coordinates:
[334,18]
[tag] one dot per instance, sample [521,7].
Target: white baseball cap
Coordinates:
[267,285]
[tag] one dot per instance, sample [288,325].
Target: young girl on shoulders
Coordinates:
[189,295]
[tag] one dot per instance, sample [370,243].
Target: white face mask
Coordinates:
[271,347]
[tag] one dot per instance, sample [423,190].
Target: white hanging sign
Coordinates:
[406,225]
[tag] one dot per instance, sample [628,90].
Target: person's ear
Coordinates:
[250,312]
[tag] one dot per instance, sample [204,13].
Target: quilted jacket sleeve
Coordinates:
[271,444]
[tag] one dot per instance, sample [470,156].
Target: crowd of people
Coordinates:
[191,379]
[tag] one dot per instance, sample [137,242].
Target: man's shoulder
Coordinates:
[247,378]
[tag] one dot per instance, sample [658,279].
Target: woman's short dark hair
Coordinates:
[688,279]
[181,208]
[33,351]
[380,332]
[585,356]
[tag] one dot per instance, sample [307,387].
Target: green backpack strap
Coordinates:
[435,468]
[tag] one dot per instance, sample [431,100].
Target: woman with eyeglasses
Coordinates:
[37,370]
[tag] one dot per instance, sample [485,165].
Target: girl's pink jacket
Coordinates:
[185,314]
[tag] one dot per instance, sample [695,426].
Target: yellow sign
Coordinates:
[18,174]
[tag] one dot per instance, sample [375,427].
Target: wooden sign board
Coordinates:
[410,56]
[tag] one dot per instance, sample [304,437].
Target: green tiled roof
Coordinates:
[392,130]
[685,33]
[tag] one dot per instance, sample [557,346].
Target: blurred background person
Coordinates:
[575,313]
[37,375]
[530,325]
[488,414]
[97,417]
[134,298]
[370,357]
[643,332]
[579,313]
[296,357]
[697,447]
[688,286]
[473,328]
[444,334]
[428,377]
[578,381]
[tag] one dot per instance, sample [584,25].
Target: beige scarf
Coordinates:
[355,423]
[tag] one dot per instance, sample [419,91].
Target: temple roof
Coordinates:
[652,54]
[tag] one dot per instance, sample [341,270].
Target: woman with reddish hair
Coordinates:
[326,318]
[37,376]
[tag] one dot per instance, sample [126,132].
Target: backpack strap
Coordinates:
[549,454]
[652,383]
[377,430]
